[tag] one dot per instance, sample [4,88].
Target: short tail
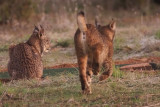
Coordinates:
[81,22]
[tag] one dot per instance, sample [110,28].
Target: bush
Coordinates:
[63,43]
[15,9]
[157,35]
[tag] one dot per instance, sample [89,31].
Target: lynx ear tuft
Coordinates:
[36,29]
[81,13]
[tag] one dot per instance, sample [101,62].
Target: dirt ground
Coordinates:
[117,62]
[132,64]
[130,61]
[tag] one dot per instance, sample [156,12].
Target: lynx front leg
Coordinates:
[109,70]
[82,62]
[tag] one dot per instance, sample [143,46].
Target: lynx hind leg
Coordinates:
[108,70]
[96,61]
[82,62]
[89,70]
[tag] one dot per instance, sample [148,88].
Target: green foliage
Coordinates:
[4,47]
[118,41]
[117,72]
[48,6]
[0,85]
[64,43]
[157,35]
[15,9]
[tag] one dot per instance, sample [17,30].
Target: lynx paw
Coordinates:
[103,77]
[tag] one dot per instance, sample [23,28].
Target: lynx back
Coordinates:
[93,49]
[25,58]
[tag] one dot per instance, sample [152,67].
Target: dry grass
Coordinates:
[63,89]
[132,39]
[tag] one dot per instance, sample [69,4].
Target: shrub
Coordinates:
[157,35]
[63,43]
[15,9]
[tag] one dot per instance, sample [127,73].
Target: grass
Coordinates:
[117,72]
[119,42]
[64,43]
[157,35]
[4,47]
[62,88]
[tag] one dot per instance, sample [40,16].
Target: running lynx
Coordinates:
[94,48]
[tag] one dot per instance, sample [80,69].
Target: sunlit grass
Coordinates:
[62,88]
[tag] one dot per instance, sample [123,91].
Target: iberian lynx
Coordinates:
[26,58]
[94,48]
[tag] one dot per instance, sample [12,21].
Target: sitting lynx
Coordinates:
[25,58]
[94,48]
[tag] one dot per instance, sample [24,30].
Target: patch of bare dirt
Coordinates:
[132,61]
[62,66]
[133,64]
[145,62]
[138,60]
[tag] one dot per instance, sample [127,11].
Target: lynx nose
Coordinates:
[49,48]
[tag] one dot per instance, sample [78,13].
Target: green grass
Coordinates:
[117,72]
[157,35]
[64,43]
[4,47]
[118,43]
[62,88]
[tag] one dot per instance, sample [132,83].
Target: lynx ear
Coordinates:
[112,25]
[36,29]
[42,30]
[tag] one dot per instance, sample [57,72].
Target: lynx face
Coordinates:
[43,39]
[45,44]
[26,58]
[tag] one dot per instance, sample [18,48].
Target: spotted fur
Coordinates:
[26,58]
[93,51]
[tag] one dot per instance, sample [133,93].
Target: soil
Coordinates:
[145,63]
[138,60]
[130,61]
